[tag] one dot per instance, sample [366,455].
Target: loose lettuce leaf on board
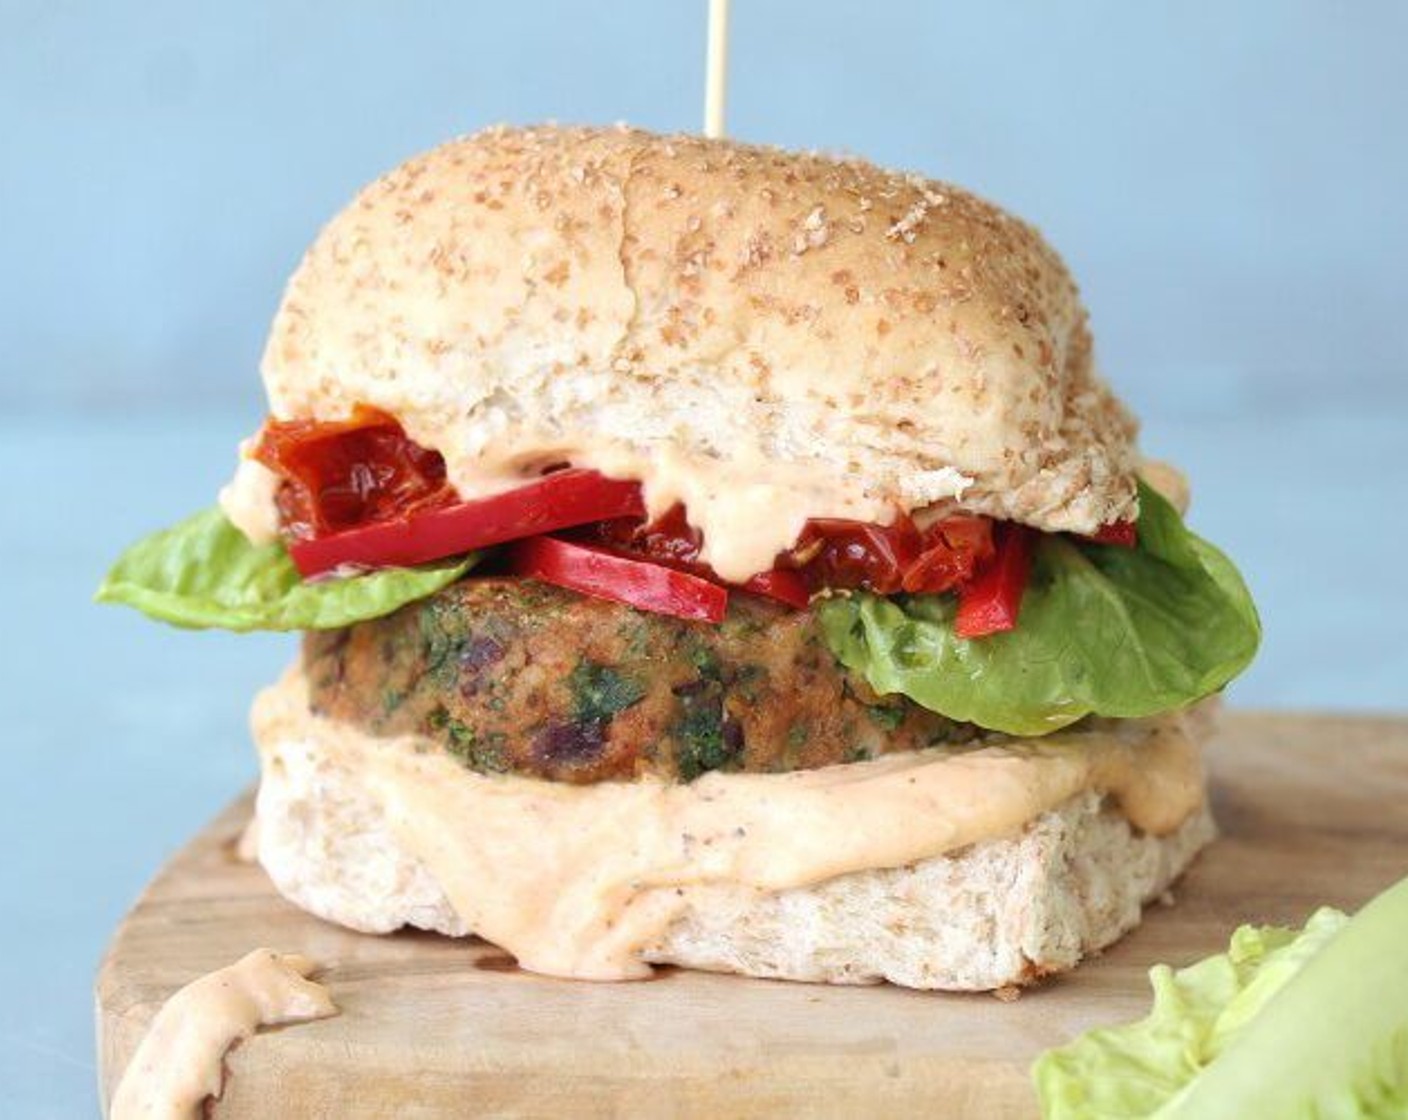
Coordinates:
[204,573]
[1309,1025]
[1112,631]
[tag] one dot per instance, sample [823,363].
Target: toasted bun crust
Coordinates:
[766,335]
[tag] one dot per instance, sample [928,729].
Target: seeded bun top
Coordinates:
[766,336]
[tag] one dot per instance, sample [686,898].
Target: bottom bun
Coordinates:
[996,913]
[999,914]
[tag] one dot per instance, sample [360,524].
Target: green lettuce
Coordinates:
[1112,631]
[205,573]
[1284,1025]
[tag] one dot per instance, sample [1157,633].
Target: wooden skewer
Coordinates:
[717,69]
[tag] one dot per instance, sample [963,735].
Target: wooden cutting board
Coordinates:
[1314,809]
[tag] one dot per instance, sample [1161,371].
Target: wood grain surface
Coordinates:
[1313,809]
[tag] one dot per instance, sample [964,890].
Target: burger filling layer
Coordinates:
[981,622]
[358,493]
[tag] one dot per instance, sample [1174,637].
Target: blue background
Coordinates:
[1227,181]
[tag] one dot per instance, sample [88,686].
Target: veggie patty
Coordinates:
[514,675]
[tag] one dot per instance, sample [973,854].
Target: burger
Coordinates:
[711,555]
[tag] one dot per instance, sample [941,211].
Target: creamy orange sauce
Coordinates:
[1169,481]
[750,509]
[180,1061]
[578,880]
[247,843]
[248,498]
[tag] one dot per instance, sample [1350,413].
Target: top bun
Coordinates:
[764,335]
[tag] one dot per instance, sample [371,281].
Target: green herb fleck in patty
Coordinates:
[599,691]
[702,739]
[887,716]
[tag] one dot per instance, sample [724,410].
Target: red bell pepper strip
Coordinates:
[1125,534]
[605,574]
[782,584]
[991,601]
[555,501]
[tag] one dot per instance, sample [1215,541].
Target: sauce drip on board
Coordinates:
[179,1063]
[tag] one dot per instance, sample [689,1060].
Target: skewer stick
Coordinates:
[717,69]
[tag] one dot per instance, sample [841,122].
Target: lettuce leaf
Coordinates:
[1310,1025]
[1112,631]
[204,573]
